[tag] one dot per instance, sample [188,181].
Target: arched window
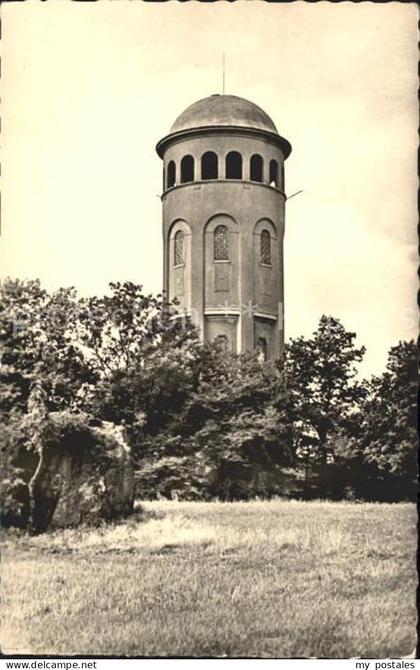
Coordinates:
[209,165]
[221,244]
[256,168]
[187,169]
[179,248]
[234,165]
[221,342]
[262,348]
[274,173]
[171,175]
[283,186]
[265,242]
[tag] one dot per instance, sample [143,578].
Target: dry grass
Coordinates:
[274,579]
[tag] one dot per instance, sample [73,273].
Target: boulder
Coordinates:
[84,475]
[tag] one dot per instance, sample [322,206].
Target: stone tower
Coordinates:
[223,222]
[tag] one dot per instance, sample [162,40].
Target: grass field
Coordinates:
[274,579]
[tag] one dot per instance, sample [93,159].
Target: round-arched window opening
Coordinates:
[274,174]
[170,180]
[179,248]
[221,244]
[265,244]
[187,169]
[234,165]
[256,168]
[209,165]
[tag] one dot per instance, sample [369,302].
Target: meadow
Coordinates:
[255,579]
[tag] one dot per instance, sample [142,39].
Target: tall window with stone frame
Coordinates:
[179,248]
[221,244]
[265,243]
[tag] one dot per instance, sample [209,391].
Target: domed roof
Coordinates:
[223,110]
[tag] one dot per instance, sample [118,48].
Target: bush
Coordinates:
[172,477]
[19,462]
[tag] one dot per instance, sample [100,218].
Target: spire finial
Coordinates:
[223,70]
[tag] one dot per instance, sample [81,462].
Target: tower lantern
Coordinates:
[223,222]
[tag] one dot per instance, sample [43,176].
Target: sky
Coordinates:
[89,88]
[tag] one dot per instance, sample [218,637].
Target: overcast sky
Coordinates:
[89,88]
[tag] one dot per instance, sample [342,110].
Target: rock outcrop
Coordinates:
[84,474]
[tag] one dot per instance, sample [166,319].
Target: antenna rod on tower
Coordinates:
[293,194]
[223,68]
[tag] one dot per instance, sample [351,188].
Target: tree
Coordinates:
[39,355]
[322,387]
[388,434]
[232,426]
[143,355]
[39,343]
[20,303]
[202,422]
[125,357]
